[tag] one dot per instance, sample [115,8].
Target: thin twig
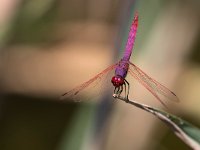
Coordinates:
[137,104]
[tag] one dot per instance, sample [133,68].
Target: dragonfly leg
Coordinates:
[117,90]
[127,88]
[121,89]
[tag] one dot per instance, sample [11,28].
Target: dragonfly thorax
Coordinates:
[117,81]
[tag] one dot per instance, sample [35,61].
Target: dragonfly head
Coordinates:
[117,81]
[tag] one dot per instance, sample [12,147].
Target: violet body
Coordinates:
[122,68]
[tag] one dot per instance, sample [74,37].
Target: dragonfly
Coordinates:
[122,68]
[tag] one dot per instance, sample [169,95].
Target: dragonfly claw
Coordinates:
[115,95]
[127,100]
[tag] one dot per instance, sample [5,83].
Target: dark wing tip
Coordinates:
[176,97]
[62,96]
[76,92]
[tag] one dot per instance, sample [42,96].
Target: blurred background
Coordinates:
[48,47]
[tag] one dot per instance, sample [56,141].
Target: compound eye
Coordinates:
[117,81]
[114,79]
[120,80]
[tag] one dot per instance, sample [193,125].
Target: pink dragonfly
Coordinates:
[123,67]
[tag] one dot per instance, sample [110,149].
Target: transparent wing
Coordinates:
[152,85]
[92,87]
